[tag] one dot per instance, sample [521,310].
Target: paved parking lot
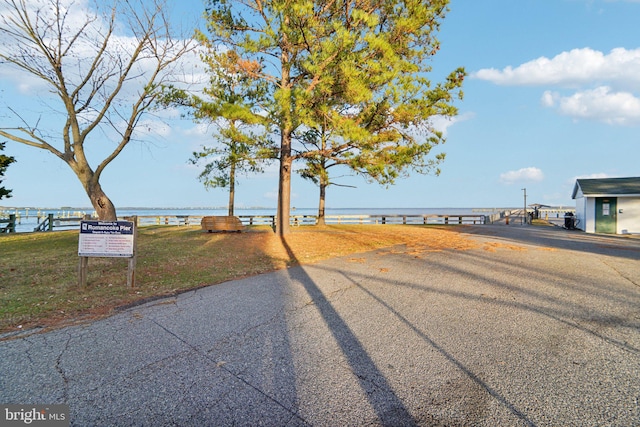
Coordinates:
[533,326]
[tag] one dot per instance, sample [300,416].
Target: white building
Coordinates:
[609,205]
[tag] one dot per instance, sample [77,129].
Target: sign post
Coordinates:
[111,239]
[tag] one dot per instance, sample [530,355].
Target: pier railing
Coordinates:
[10,226]
[300,220]
[51,222]
[296,220]
[60,221]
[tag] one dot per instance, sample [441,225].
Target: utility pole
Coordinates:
[524,214]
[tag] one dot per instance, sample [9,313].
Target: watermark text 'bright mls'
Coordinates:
[35,415]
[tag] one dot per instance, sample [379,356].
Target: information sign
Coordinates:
[106,239]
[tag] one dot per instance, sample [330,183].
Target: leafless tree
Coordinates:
[103,66]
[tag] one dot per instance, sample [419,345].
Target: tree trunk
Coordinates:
[105,209]
[90,181]
[323,180]
[284,186]
[232,188]
[283,227]
[321,206]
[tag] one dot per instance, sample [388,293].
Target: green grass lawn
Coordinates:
[39,271]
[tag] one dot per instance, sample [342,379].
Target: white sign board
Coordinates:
[106,239]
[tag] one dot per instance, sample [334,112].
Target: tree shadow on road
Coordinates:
[389,408]
[559,238]
[590,311]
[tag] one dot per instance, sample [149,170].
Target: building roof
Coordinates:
[607,187]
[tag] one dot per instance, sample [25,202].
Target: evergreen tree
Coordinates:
[232,103]
[358,68]
[5,161]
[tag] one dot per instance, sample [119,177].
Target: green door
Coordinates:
[606,218]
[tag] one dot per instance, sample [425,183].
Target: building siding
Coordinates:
[625,190]
[629,219]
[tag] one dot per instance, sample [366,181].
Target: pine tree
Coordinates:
[5,161]
[358,68]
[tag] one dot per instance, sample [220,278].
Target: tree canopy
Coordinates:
[5,161]
[101,68]
[358,69]
[231,103]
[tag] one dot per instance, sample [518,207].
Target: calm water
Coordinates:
[28,219]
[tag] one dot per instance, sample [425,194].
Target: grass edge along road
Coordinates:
[39,271]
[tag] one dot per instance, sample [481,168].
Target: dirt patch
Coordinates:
[494,246]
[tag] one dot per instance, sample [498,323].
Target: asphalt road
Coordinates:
[535,326]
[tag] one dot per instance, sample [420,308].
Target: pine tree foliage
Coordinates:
[355,71]
[231,104]
[5,161]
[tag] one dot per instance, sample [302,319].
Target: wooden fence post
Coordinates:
[131,270]
[82,271]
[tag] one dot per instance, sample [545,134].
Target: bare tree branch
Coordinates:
[100,77]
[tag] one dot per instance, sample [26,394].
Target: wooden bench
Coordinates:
[221,223]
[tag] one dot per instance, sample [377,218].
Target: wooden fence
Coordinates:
[51,223]
[300,220]
[10,226]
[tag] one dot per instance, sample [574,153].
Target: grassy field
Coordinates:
[39,271]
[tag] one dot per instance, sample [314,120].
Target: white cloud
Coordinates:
[550,99]
[601,104]
[197,130]
[607,86]
[572,68]
[442,123]
[530,174]
[187,71]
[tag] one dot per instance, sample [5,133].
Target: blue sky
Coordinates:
[553,94]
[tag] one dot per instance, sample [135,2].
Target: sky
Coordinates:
[552,95]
